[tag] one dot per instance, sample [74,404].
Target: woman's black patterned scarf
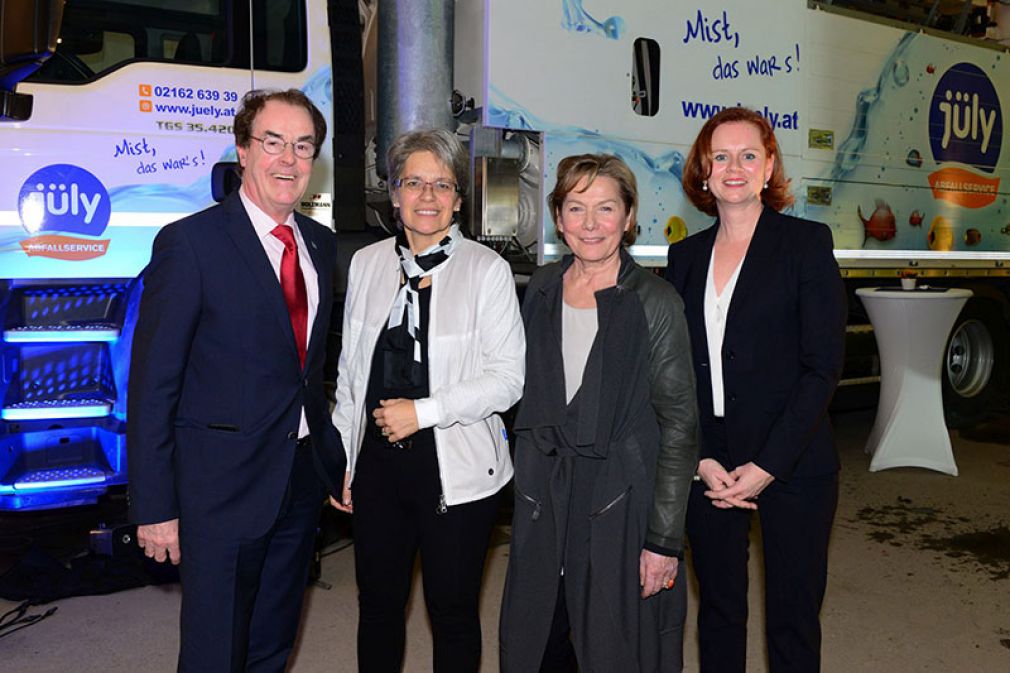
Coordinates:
[406,311]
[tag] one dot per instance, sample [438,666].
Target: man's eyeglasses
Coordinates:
[303,149]
[417,185]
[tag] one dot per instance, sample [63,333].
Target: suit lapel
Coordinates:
[756,265]
[317,331]
[242,233]
[698,279]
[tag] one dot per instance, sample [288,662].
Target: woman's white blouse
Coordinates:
[716,310]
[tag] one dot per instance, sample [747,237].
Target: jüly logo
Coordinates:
[56,200]
[66,199]
[965,119]
[966,134]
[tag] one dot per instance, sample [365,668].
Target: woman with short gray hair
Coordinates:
[442,144]
[433,349]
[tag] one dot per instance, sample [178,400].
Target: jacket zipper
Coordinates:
[494,440]
[606,508]
[532,501]
[441,508]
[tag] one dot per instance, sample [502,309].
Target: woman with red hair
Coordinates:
[765,307]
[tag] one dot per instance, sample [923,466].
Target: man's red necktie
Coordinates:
[293,286]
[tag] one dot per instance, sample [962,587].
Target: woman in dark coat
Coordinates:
[605,449]
[766,307]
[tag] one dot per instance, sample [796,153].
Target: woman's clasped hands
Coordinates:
[737,488]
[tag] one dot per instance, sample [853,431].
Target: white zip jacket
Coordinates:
[476,361]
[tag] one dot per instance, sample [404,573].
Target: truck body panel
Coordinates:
[860,110]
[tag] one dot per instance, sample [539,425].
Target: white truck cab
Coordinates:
[101,144]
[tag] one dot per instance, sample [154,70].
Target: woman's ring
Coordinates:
[669,584]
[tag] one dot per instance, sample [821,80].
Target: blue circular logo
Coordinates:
[965,118]
[64,198]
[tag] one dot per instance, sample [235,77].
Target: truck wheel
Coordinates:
[975,363]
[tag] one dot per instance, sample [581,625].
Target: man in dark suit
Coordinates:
[231,449]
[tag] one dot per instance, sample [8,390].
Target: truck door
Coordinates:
[127,119]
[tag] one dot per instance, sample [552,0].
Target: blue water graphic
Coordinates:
[162,197]
[658,174]
[899,73]
[895,71]
[517,117]
[578,20]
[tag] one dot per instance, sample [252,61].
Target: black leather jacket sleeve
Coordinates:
[675,403]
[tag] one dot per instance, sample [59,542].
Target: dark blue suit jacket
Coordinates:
[215,387]
[783,346]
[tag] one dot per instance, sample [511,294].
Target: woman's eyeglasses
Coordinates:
[417,185]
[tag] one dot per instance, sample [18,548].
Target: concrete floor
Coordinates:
[919,581]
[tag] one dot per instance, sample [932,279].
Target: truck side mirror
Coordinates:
[28,33]
[225,178]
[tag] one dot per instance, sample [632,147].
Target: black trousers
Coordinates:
[559,654]
[795,526]
[396,513]
[242,598]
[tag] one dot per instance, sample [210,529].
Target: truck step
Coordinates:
[53,409]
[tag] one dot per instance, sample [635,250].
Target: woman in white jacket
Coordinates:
[433,347]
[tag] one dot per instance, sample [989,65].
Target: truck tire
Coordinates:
[974,370]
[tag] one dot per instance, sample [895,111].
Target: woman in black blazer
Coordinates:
[766,311]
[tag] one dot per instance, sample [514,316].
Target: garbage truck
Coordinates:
[115,119]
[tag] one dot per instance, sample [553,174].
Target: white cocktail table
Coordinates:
[911,328]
